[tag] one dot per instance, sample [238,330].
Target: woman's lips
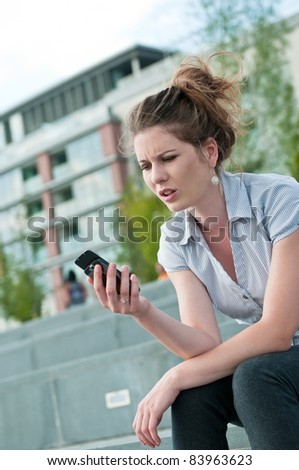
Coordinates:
[167,195]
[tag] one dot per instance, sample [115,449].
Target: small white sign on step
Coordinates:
[118,398]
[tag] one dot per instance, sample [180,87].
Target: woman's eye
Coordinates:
[144,167]
[168,159]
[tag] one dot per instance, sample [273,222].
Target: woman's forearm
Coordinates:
[222,360]
[181,339]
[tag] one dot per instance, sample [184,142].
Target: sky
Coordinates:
[43,43]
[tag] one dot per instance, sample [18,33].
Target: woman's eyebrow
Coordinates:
[159,155]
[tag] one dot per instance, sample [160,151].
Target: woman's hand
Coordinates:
[128,301]
[151,409]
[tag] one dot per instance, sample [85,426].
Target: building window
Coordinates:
[98,88]
[38,248]
[119,72]
[58,158]
[85,152]
[28,119]
[63,195]
[7,132]
[32,181]
[34,207]
[94,189]
[29,171]
[59,163]
[68,237]
[11,187]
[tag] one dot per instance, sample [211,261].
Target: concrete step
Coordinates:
[86,332]
[72,341]
[77,378]
[160,293]
[236,436]
[87,400]
[88,403]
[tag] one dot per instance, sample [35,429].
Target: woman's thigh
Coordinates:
[266,397]
[200,416]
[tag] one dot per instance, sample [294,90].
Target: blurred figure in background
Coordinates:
[75,292]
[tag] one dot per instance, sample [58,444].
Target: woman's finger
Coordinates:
[98,285]
[125,289]
[144,425]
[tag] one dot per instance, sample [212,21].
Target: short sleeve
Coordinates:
[170,254]
[281,208]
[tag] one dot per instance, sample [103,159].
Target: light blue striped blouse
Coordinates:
[262,209]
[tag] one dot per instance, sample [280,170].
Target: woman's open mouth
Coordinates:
[167,195]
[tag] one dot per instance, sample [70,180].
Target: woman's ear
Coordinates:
[210,151]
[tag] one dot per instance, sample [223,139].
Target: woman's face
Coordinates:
[175,171]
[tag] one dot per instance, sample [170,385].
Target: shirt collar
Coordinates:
[237,203]
[236,196]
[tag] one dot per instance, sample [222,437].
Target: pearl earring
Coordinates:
[215,179]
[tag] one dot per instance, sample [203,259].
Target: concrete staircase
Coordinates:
[74,380]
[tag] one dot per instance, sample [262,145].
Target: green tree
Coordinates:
[21,295]
[257,34]
[144,214]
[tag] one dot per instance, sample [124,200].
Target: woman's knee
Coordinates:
[252,381]
[205,399]
[248,372]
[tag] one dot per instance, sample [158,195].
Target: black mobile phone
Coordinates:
[87,262]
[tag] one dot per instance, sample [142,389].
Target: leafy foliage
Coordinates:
[255,32]
[144,214]
[20,294]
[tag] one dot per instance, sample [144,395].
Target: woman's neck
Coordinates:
[212,216]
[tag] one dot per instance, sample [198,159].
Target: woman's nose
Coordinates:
[158,174]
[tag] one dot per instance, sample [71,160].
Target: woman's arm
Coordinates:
[197,333]
[272,333]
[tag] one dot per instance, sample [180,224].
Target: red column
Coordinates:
[44,167]
[110,136]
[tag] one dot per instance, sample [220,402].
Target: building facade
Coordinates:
[61,170]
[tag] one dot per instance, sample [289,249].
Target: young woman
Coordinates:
[233,243]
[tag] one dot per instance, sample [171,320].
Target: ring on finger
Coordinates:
[124,301]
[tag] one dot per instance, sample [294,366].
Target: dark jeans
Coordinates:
[262,394]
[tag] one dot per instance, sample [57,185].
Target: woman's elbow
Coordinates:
[280,341]
[203,348]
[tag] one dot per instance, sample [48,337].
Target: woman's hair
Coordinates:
[196,105]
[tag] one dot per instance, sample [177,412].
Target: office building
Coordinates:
[61,170]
